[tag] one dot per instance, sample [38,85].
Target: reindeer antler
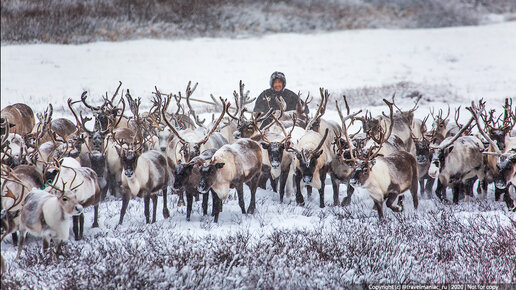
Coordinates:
[321,109]
[225,108]
[163,113]
[188,93]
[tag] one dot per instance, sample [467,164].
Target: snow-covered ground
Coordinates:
[281,245]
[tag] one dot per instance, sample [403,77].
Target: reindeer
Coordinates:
[84,184]
[47,215]
[106,114]
[230,167]
[500,163]
[312,160]
[187,177]
[386,177]
[275,156]
[15,183]
[179,119]
[21,116]
[457,161]
[144,173]
[340,167]
[187,144]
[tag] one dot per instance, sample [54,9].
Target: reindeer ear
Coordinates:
[118,150]
[219,165]
[373,161]
[317,154]
[13,214]
[448,150]
[265,145]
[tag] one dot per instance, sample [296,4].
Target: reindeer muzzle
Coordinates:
[129,173]
[421,160]
[77,210]
[308,179]
[275,164]
[500,184]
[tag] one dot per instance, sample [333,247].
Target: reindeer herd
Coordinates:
[51,170]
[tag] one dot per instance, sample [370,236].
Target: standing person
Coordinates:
[277,89]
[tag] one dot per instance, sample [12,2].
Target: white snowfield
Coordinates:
[281,245]
[474,61]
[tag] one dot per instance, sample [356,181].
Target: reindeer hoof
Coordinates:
[95,225]
[346,201]
[180,203]
[250,210]
[166,213]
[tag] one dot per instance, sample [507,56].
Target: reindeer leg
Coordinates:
[299,197]
[14,236]
[274,184]
[20,245]
[440,191]
[166,213]
[456,192]
[428,186]
[59,243]
[309,192]
[205,204]
[413,189]
[499,192]
[46,244]
[322,176]
[155,208]
[104,192]
[253,186]
[391,197]
[240,192]
[95,216]
[146,203]
[508,200]
[75,227]
[347,200]
[181,200]
[81,225]
[262,183]
[400,201]
[421,185]
[378,206]
[335,183]
[125,202]
[189,201]
[283,182]
[111,184]
[216,206]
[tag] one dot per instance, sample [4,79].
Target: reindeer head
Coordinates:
[439,125]
[439,160]
[422,150]
[361,172]
[67,198]
[129,161]
[208,175]
[308,159]
[506,165]
[182,174]
[69,203]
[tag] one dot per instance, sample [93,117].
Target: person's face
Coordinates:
[277,85]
